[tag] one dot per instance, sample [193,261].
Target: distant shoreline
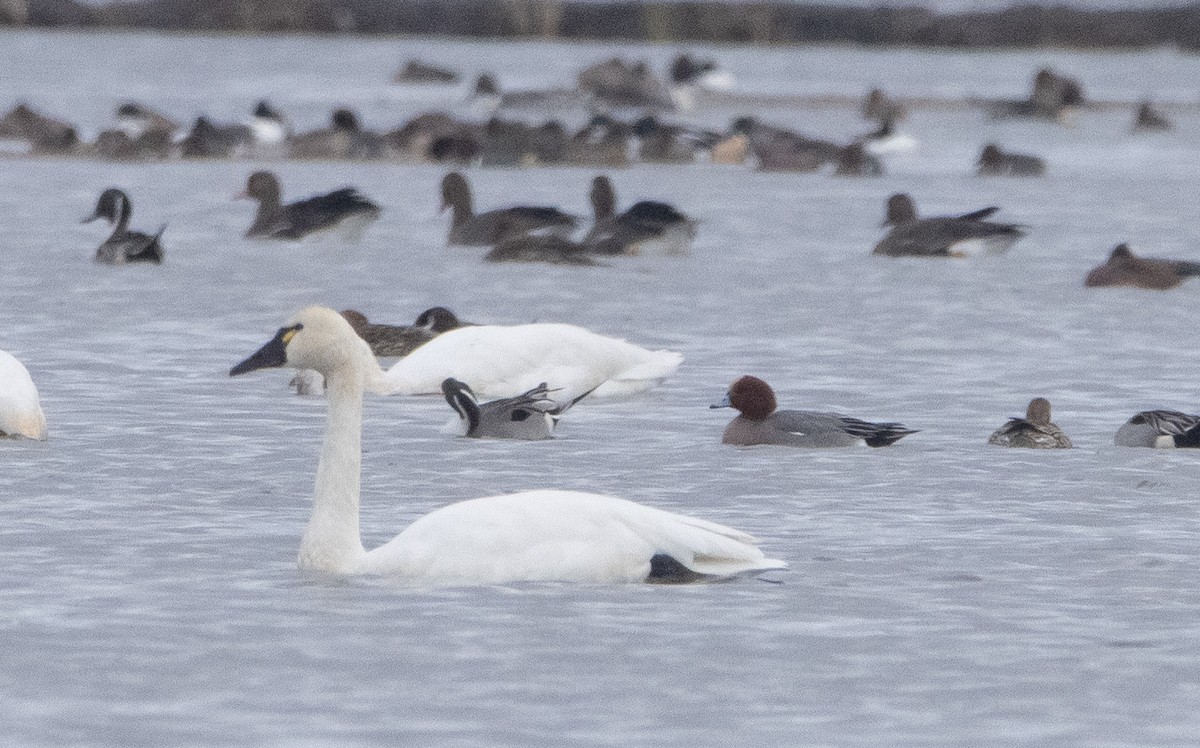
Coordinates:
[1024,26]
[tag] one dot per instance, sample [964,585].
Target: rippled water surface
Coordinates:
[942,592]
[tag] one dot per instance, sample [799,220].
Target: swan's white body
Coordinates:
[504,361]
[544,535]
[20,407]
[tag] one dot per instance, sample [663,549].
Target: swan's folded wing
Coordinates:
[563,536]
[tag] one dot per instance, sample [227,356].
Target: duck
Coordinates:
[886,140]
[945,236]
[646,225]
[1149,119]
[21,413]
[209,140]
[1035,430]
[345,138]
[123,245]
[507,360]
[343,211]
[544,535]
[389,341]
[40,132]
[487,229]
[689,74]
[1162,429]
[551,249]
[419,71]
[268,129]
[531,415]
[1124,268]
[761,423]
[995,162]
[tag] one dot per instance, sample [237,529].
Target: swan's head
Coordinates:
[315,338]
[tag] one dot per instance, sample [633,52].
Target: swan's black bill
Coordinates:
[723,404]
[270,356]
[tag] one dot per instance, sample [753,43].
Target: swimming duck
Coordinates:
[123,245]
[43,134]
[506,360]
[760,423]
[544,535]
[531,415]
[1149,119]
[1124,268]
[1164,429]
[20,407]
[554,250]
[994,162]
[419,71]
[389,341]
[268,129]
[886,140]
[947,236]
[646,225]
[343,211]
[485,229]
[778,149]
[209,140]
[345,138]
[1035,430]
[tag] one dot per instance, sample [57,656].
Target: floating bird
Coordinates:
[123,245]
[1035,430]
[20,407]
[506,360]
[1124,268]
[948,236]
[646,225]
[343,211]
[532,536]
[994,162]
[1164,429]
[531,415]
[486,229]
[761,423]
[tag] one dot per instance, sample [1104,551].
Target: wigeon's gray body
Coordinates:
[531,415]
[949,236]
[486,229]
[1160,428]
[343,211]
[1124,268]
[123,245]
[1035,430]
[760,423]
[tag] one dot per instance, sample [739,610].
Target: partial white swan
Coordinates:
[20,408]
[545,535]
[506,360]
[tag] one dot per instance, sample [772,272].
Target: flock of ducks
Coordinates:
[517,381]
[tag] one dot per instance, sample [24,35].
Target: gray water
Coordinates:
[942,592]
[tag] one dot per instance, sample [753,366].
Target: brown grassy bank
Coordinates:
[756,22]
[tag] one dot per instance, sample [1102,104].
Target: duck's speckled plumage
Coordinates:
[1035,430]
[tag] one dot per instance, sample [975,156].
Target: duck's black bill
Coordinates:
[723,404]
[271,356]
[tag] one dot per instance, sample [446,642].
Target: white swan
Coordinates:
[20,408]
[506,360]
[544,535]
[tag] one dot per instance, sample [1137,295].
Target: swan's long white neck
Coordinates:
[332,541]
